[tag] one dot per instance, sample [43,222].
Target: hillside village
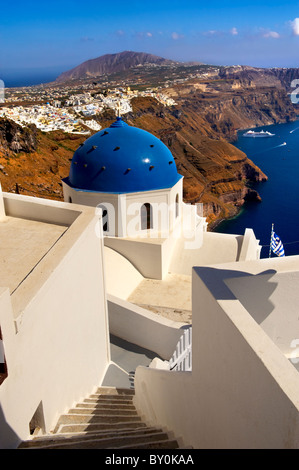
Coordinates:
[75,113]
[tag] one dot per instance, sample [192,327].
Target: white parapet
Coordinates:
[2,208]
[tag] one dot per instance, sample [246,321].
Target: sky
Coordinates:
[58,35]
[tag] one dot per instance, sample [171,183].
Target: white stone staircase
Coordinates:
[106,420]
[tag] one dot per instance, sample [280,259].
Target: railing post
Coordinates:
[182,357]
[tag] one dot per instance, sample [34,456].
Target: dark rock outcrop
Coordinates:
[17,138]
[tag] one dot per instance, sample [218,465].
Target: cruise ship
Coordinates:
[258,134]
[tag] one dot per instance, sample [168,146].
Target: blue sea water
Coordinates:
[278,158]
[29,77]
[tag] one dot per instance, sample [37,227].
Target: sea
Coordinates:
[278,158]
[28,77]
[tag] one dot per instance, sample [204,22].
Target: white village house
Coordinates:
[87,289]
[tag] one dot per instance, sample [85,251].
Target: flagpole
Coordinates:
[271,240]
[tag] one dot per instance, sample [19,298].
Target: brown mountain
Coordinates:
[111,63]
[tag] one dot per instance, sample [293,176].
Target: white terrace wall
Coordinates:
[2,208]
[26,207]
[242,391]
[152,256]
[274,305]
[143,328]
[251,248]
[55,332]
[121,276]
[145,257]
[249,389]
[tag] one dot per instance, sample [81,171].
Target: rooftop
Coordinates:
[170,297]
[23,243]
[274,305]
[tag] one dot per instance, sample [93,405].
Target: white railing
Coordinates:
[182,357]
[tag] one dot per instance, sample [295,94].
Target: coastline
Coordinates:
[241,129]
[278,158]
[215,223]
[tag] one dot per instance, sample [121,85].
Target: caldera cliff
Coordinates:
[199,131]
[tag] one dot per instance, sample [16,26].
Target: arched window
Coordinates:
[146,216]
[177,206]
[70,199]
[105,218]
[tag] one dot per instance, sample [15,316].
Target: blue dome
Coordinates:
[122,159]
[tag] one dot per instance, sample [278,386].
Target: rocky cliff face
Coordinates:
[224,109]
[215,172]
[32,162]
[16,138]
[286,77]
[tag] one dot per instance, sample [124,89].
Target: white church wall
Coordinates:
[95,199]
[124,209]
[59,350]
[159,200]
[176,210]
[242,392]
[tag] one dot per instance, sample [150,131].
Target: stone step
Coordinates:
[97,418]
[98,411]
[105,406]
[107,419]
[115,391]
[91,427]
[79,437]
[105,443]
[99,401]
[114,398]
[169,444]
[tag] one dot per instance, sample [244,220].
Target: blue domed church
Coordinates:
[129,174]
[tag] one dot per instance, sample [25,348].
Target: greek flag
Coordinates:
[276,245]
